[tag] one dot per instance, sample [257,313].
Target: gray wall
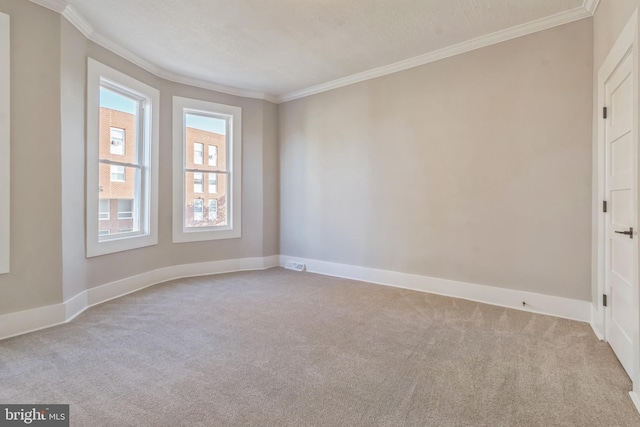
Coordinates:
[48,71]
[36,238]
[475,168]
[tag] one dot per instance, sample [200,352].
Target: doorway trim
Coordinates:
[627,42]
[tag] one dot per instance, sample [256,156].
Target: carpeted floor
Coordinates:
[279,348]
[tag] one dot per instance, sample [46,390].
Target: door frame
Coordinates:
[627,42]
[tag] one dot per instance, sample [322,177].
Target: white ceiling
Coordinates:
[281,48]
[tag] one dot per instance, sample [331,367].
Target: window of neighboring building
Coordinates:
[118,174]
[103,232]
[198,153]
[117,141]
[125,209]
[104,208]
[198,182]
[213,155]
[119,106]
[198,209]
[213,209]
[4,144]
[206,121]
[213,183]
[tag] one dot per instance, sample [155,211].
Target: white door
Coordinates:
[621,223]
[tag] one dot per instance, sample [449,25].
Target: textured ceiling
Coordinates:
[278,47]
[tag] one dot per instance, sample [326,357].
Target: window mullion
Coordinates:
[116,163]
[206,171]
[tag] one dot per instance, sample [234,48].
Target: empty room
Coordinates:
[319,213]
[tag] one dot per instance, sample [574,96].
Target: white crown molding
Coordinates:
[447,52]
[55,5]
[566,308]
[78,21]
[174,77]
[35,319]
[75,18]
[591,6]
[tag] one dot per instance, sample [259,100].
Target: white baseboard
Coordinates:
[635,398]
[22,322]
[597,323]
[536,303]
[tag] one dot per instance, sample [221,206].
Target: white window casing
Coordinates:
[146,171]
[232,116]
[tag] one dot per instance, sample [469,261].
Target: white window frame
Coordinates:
[233,115]
[148,204]
[5,138]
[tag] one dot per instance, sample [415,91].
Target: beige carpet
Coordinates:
[279,348]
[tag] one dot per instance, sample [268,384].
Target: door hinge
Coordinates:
[604,112]
[604,300]
[604,206]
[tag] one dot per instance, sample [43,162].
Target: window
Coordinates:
[198,153]
[4,143]
[213,209]
[213,155]
[213,183]
[218,127]
[125,209]
[122,160]
[117,141]
[197,182]
[198,209]
[104,208]
[118,174]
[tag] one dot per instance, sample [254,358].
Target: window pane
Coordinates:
[193,193]
[125,209]
[117,174]
[198,153]
[118,117]
[213,209]
[213,183]
[198,209]
[117,141]
[213,155]
[104,209]
[198,182]
[119,200]
[209,131]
